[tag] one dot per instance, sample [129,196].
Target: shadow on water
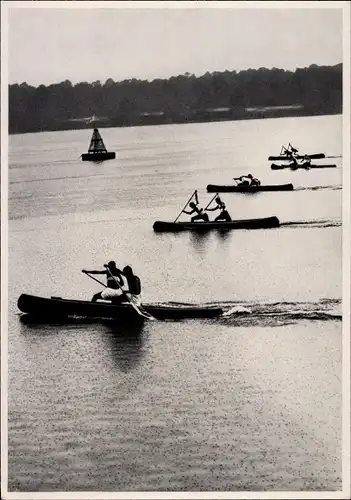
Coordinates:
[44,325]
[125,345]
[199,240]
[123,341]
[223,234]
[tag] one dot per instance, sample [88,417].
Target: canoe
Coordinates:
[266,222]
[274,166]
[317,156]
[58,308]
[214,188]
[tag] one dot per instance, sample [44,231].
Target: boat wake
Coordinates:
[272,313]
[317,188]
[280,313]
[312,223]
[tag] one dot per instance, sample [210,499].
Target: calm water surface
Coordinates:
[243,402]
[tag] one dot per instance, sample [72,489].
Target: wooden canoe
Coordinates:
[57,308]
[317,156]
[274,166]
[215,188]
[266,222]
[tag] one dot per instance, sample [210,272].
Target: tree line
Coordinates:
[317,89]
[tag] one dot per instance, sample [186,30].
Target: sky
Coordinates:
[50,45]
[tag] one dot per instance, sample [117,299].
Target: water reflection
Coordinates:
[35,327]
[34,321]
[125,344]
[223,234]
[128,327]
[122,341]
[199,240]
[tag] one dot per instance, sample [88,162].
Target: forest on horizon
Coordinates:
[179,99]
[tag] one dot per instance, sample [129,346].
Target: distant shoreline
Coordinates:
[217,96]
[253,116]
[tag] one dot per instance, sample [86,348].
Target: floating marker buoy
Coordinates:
[97,150]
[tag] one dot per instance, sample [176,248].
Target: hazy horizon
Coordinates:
[51,45]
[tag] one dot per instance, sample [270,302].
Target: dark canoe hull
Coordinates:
[98,156]
[317,156]
[214,188]
[57,308]
[267,222]
[274,166]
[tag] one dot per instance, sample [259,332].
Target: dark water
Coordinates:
[249,401]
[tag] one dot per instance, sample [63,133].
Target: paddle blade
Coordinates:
[135,303]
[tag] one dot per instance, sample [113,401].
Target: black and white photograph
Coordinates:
[175,249]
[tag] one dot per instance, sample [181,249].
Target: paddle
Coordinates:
[138,309]
[286,151]
[189,200]
[292,149]
[90,276]
[215,196]
[142,313]
[236,179]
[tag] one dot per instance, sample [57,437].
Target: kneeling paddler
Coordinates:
[133,286]
[117,289]
[306,161]
[223,215]
[247,180]
[114,284]
[201,215]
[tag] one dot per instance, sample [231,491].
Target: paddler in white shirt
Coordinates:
[114,284]
[244,180]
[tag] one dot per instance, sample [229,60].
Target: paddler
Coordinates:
[293,150]
[306,162]
[201,215]
[293,162]
[114,284]
[244,180]
[133,285]
[254,181]
[223,215]
[287,152]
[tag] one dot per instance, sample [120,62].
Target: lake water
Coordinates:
[243,402]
